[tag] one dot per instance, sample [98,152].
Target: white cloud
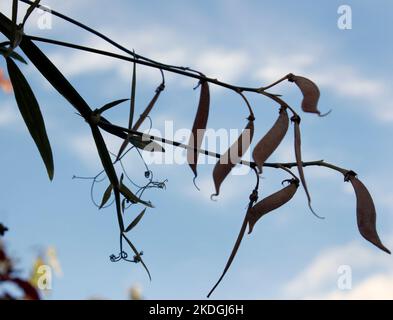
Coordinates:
[375,287]
[223,64]
[318,279]
[348,81]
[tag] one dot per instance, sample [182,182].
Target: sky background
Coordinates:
[187,238]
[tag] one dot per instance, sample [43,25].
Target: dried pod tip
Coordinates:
[251,118]
[254,196]
[296,119]
[349,174]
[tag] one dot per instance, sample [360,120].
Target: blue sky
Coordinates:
[187,238]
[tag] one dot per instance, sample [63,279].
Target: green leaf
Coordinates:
[106,196]
[13,55]
[31,113]
[136,221]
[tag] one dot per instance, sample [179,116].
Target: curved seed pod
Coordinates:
[365,212]
[269,143]
[270,203]
[149,107]
[310,93]
[199,127]
[233,156]
[299,162]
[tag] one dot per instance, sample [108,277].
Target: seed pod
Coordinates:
[298,155]
[199,127]
[253,199]
[270,203]
[269,143]
[233,156]
[310,93]
[365,212]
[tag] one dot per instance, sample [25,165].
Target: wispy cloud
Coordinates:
[319,279]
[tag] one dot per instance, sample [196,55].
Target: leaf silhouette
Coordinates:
[272,202]
[199,127]
[149,107]
[136,221]
[137,255]
[365,212]
[233,156]
[13,54]
[132,111]
[298,154]
[130,196]
[269,143]
[106,196]
[310,93]
[110,105]
[31,113]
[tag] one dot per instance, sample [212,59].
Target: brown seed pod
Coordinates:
[365,212]
[310,93]
[233,155]
[269,143]
[199,127]
[270,203]
[298,154]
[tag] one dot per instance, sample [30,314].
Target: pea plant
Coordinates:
[134,141]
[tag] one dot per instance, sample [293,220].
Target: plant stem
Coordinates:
[251,164]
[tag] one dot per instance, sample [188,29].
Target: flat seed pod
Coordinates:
[299,162]
[270,203]
[365,212]
[310,93]
[31,113]
[233,156]
[199,127]
[269,143]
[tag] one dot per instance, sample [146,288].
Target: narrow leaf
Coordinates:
[145,144]
[149,107]
[127,193]
[31,113]
[138,255]
[270,203]
[233,156]
[110,105]
[366,213]
[14,55]
[106,196]
[269,143]
[136,221]
[199,127]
